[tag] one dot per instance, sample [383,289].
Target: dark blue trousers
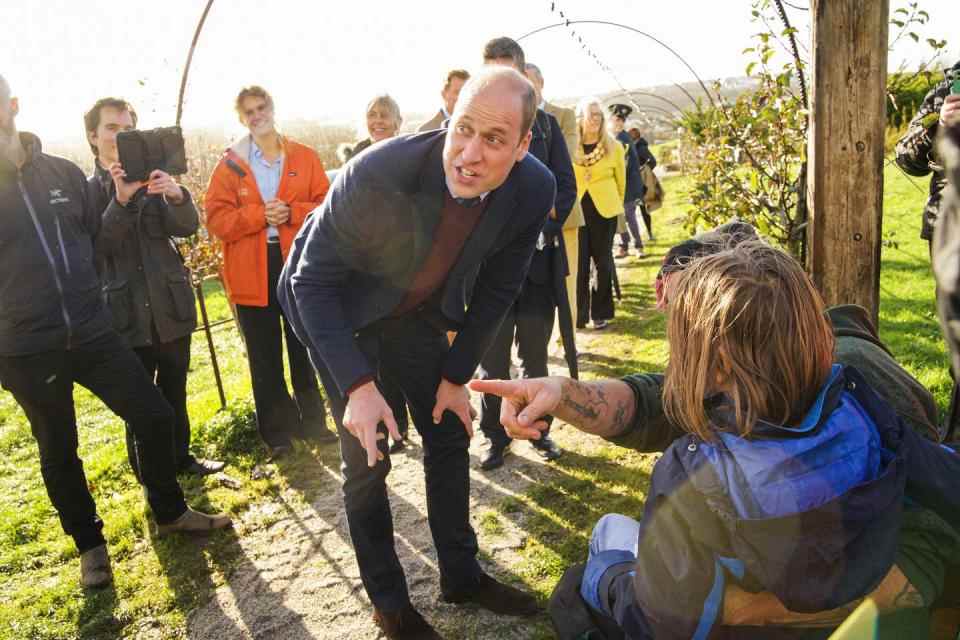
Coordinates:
[408,352]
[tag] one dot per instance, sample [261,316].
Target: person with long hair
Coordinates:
[600,168]
[791,475]
[630,413]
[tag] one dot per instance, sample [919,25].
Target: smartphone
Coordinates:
[955,88]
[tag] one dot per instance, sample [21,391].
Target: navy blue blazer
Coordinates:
[635,188]
[355,257]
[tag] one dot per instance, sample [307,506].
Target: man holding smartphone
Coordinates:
[145,284]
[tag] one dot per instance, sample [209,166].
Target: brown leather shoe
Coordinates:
[496,597]
[95,571]
[406,624]
[195,522]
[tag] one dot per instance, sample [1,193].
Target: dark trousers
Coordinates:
[167,364]
[393,394]
[596,244]
[531,320]
[278,415]
[410,350]
[42,385]
[630,213]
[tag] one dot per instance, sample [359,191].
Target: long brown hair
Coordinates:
[747,322]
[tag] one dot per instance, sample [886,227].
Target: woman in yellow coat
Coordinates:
[600,167]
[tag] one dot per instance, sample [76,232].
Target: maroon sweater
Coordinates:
[456,223]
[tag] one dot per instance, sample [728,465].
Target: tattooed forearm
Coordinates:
[604,408]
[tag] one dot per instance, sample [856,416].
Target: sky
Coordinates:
[323,61]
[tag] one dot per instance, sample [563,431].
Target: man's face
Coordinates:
[9,107]
[616,124]
[112,122]
[484,141]
[256,114]
[451,93]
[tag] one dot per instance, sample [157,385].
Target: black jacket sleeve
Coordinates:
[562,168]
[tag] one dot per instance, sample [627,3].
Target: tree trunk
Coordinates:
[846,138]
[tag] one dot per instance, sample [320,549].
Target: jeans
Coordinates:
[42,385]
[409,350]
[630,212]
[278,415]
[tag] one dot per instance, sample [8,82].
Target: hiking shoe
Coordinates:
[95,571]
[195,522]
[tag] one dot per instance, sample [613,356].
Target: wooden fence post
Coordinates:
[847,122]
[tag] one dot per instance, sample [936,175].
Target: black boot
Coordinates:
[493,456]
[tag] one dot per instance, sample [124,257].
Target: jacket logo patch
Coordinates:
[57,197]
[292,174]
[244,191]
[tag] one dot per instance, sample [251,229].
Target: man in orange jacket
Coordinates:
[259,195]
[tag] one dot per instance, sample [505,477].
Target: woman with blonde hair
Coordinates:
[383,121]
[600,168]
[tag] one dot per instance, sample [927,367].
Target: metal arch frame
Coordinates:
[567,23]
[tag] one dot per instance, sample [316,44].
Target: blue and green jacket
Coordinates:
[810,513]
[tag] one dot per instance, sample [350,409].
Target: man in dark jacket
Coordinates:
[419,235]
[530,320]
[145,285]
[55,331]
[634,191]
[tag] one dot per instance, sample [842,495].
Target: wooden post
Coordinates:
[847,121]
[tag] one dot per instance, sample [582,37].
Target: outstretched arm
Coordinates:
[603,408]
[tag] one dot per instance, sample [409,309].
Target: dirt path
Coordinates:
[299,578]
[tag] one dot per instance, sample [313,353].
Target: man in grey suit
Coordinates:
[450,93]
[568,126]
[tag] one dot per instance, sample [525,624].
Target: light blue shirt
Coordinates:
[267,175]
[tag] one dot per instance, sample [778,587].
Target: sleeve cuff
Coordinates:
[359,383]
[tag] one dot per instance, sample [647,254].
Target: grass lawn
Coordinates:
[158,582]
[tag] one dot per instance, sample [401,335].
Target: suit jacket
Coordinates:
[354,259]
[567,119]
[548,146]
[635,188]
[432,123]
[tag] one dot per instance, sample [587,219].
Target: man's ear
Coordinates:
[92,138]
[524,146]
[14,106]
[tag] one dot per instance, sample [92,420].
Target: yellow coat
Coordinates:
[608,182]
